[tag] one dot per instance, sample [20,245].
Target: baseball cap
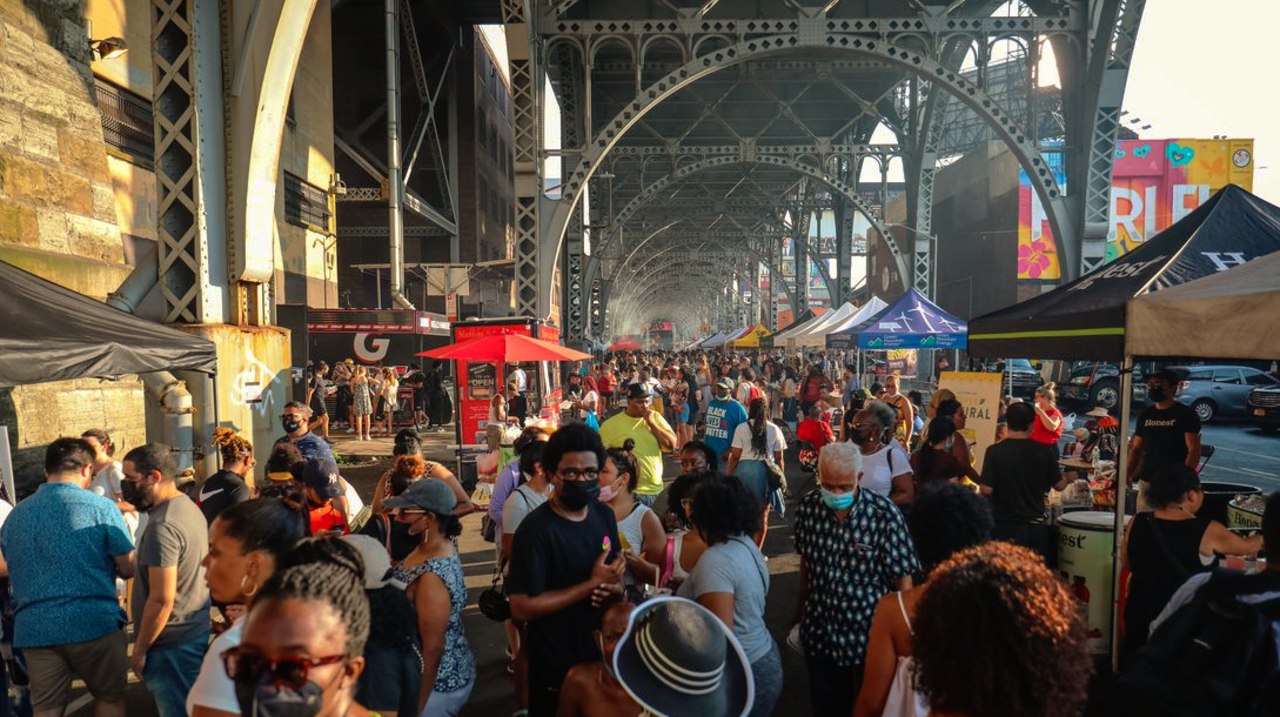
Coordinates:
[322,477]
[725,382]
[430,495]
[377,562]
[639,390]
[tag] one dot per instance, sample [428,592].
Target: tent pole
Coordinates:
[1122,471]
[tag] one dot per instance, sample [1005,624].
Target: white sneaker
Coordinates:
[351,430]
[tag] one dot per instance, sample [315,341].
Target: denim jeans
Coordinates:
[767,673]
[448,704]
[170,673]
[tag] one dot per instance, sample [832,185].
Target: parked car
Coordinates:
[1098,384]
[1219,391]
[1024,377]
[1264,406]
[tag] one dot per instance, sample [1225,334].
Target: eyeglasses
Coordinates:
[686,503]
[248,668]
[573,474]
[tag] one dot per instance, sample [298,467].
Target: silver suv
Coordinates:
[1219,391]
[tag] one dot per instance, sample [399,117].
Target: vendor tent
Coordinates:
[805,317]
[911,322]
[819,337]
[50,333]
[1085,319]
[716,342]
[1231,315]
[751,340]
[828,319]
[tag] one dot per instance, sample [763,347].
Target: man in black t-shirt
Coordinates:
[1168,432]
[417,381]
[565,562]
[1017,473]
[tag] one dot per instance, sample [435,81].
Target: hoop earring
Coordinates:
[247,592]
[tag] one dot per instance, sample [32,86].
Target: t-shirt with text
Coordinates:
[1164,436]
[722,419]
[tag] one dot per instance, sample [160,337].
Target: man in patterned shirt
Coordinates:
[854,548]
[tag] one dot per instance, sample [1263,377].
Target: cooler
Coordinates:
[1085,542]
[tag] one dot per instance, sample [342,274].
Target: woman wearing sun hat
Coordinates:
[677,658]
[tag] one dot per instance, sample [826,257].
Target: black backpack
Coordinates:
[1213,656]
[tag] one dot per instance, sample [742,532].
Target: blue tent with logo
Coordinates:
[911,322]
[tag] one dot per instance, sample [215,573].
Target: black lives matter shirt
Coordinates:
[1163,433]
[551,553]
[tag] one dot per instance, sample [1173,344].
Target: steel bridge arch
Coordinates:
[878,53]
[792,163]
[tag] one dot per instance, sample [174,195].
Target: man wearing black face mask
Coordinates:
[564,564]
[1167,433]
[171,598]
[294,419]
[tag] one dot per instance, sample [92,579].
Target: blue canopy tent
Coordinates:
[911,322]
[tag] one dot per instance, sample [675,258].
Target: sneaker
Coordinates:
[351,430]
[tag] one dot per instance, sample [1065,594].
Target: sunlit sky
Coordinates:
[1202,69]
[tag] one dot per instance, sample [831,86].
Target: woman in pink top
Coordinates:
[1047,428]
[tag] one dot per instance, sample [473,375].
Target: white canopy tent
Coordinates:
[796,329]
[818,337]
[1231,315]
[827,319]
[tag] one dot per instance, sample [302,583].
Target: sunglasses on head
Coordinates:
[293,672]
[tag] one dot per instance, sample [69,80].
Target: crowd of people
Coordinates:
[924,585]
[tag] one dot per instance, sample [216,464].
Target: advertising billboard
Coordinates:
[1155,183]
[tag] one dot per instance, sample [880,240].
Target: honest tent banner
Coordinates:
[1085,319]
[911,322]
[979,396]
[1155,183]
[1230,315]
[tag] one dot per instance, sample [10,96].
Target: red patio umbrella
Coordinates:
[505,348]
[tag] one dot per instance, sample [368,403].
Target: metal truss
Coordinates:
[1112,51]
[869,39]
[366,232]
[526,87]
[183,272]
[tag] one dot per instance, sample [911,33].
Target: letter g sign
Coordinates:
[371,349]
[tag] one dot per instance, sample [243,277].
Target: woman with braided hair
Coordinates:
[755,444]
[227,487]
[246,543]
[303,646]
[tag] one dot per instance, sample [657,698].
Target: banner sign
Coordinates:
[979,396]
[1155,183]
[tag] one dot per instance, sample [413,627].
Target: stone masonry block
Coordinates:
[39,136]
[104,202]
[54,231]
[18,224]
[23,180]
[10,126]
[95,239]
[82,156]
[70,192]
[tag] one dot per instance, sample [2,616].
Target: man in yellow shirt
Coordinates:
[652,435]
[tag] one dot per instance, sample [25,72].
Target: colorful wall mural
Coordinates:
[1155,183]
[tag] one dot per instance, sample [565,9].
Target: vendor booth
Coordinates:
[751,340]
[1090,318]
[818,337]
[911,322]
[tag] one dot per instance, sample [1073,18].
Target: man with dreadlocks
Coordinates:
[228,486]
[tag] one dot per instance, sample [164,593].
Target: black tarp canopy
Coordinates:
[1085,319]
[49,333]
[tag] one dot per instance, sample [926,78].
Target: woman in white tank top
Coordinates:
[644,542]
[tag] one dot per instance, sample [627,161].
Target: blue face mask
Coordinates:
[837,501]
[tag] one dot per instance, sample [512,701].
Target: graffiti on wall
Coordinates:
[1155,183]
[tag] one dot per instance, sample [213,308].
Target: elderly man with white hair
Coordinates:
[854,548]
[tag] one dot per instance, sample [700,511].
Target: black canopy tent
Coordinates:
[49,333]
[1086,318]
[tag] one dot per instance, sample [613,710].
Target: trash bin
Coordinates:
[1085,542]
[1217,496]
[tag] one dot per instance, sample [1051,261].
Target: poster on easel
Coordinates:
[979,396]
